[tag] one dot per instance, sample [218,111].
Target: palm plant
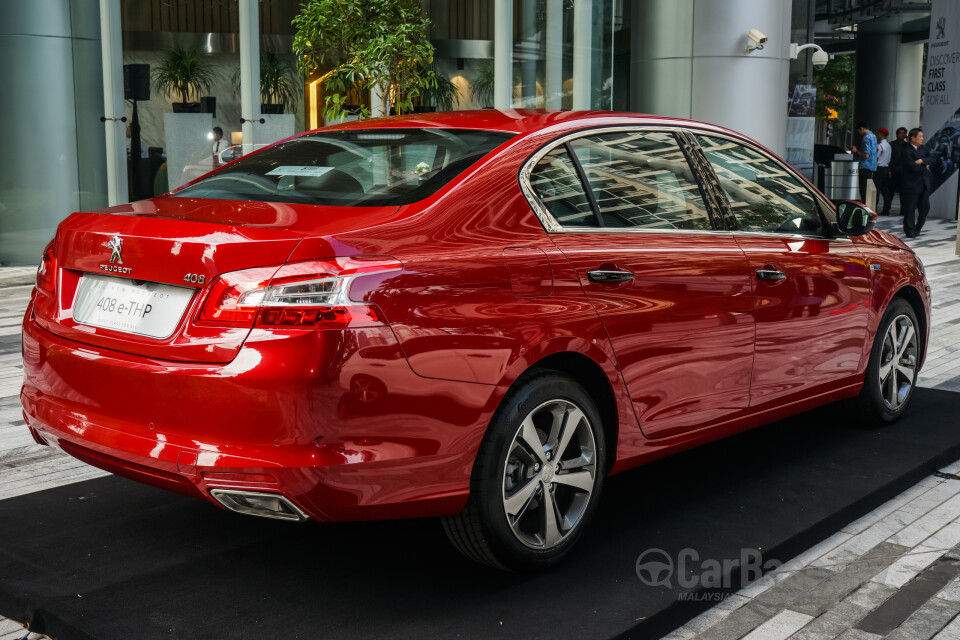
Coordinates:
[481,89]
[443,95]
[482,86]
[277,80]
[182,73]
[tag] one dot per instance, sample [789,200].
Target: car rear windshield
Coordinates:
[359,167]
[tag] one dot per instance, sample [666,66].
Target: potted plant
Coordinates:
[482,87]
[277,83]
[182,73]
[442,94]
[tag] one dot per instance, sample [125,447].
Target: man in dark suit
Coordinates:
[915,183]
[897,147]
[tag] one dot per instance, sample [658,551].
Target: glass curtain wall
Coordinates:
[543,52]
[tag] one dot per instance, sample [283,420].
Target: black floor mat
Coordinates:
[111,559]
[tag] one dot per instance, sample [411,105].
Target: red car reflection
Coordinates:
[476,316]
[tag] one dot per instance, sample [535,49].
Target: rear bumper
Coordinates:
[335,421]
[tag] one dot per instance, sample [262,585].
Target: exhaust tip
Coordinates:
[253,503]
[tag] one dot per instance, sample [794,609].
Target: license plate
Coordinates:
[132,306]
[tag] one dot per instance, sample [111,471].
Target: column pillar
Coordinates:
[111,44]
[582,53]
[908,82]
[52,143]
[889,76]
[529,51]
[689,60]
[503,54]
[553,73]
[249,70]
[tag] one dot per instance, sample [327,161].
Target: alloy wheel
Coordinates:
[550,474]
[898,362]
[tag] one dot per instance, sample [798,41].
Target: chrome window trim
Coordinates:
[634,230]
[788,236]
[550,223]
[718,232]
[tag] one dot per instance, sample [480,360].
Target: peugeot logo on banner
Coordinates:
[941,27]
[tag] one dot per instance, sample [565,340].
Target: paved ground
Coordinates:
[894,573]
[24,465]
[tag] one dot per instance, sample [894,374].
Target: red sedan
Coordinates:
[470,315]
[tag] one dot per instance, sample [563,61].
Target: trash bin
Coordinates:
[841,178]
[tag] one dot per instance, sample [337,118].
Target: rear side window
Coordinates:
[642,179]
[763,195]
[555,181]
[360,167]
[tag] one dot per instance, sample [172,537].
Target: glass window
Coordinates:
[763,195]
[359,167]
[642,179]
[556,183]
[543,56]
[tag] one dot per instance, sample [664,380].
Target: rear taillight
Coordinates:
[298,295]
[47,271]
[233,299]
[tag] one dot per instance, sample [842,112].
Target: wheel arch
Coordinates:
[586,372]
[910,294]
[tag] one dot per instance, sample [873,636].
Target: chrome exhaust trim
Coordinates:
[255,503]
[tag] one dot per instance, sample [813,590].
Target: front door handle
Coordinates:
[770,274]
[609,276]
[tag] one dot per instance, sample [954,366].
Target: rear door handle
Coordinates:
[609,276]
[770,274]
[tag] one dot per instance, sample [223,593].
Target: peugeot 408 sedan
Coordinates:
[476,316]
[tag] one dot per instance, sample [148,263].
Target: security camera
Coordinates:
[820,59]
[758,39]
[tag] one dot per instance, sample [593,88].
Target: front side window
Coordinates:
[641,179]
[358,167]
[763,195]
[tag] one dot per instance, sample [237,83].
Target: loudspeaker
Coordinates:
[136,81]
[208,104]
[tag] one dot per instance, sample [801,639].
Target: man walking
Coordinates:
[898,147]
[867,152]
[882,177]
[915,190]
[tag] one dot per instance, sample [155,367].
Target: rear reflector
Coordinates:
[239,477]
[265,505]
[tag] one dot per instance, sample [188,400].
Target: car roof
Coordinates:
[518,121]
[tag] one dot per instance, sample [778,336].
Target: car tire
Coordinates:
[891,375]
[530,502]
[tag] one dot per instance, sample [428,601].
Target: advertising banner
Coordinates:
[941,106]
[801,125]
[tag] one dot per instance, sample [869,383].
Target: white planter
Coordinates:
[189,146]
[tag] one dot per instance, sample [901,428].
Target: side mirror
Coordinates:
[854,218]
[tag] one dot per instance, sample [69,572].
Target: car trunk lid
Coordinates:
[173,248]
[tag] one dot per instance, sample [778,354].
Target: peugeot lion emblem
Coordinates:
[116,245]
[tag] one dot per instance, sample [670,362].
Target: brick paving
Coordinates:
[894,573]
